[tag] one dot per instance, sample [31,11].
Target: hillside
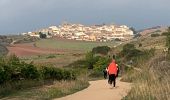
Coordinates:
[150,74]
[153,30]
[13,39]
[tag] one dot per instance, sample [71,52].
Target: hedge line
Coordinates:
[12,69]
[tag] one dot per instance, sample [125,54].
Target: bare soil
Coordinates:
[28,49]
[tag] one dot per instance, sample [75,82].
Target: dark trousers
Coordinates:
[105,74]
[112,79]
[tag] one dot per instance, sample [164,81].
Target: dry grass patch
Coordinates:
[48,92]
[153,83]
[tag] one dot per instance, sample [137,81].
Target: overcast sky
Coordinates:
[28,15]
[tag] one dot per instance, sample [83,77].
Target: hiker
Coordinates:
[105,73]
[131,62]
[117,70]
[112,71]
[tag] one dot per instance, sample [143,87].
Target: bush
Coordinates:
[96,74]
[101,50]
[5,74]
[101,64]
[29,71]
[57,74]
[140,44]
[51,56]
[11,69]
[165,33]
[91,60]
[128,47]
[77,64]
[155,35]
[3,50]
[129,51]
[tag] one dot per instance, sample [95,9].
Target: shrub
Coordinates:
[91,60]
[96,74]
[101,64]
[128,47]
[155,35]
[12,69]
[51,56]
[29,71]
[3,50]
[165,33]
[5,74]
[77,64]
[57,74]
[129,51]
[140,44]
[49,73]
[101,50]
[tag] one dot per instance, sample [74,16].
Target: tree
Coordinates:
[101,50]
[133,29]
[43,36]
[91,59]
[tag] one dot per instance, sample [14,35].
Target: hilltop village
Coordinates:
[101,33]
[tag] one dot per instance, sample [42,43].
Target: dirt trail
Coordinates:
[100,90]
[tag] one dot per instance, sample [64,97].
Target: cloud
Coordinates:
[27,15]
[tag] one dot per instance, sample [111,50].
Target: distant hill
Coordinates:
[13,39]
[156,29]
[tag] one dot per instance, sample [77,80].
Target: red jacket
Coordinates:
[112,68]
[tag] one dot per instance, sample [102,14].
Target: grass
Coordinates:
[71,44]
[9,89]
[48,92]
[58,60]
[153,83]
[150,42]
[44,90]
[150,84]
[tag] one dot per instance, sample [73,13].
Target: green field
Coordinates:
[71,44]
[57,60]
